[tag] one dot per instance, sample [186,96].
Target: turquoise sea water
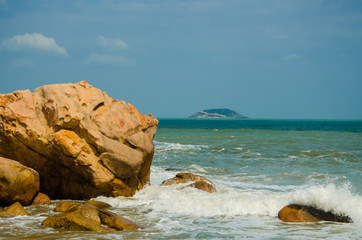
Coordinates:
[258,167]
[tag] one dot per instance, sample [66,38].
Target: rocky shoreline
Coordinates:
[73,141]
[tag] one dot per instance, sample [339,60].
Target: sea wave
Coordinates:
[161,201]
[165,146]
[323,154]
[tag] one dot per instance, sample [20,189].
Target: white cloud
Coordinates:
[103,59]
[292,57]
[111,44]
[34,41]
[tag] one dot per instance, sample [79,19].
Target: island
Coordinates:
[217,113]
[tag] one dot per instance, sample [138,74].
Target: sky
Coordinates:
[264,59]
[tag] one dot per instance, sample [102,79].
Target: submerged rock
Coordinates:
[82,142]
[90,218]
[18,183]
[302,213]
[199,182]
[14,209]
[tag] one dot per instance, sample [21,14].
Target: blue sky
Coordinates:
[261,58]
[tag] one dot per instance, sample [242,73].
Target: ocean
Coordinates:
[257,165]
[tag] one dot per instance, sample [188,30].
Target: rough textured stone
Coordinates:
[65,206]
[41,199]
[18,183]
[90,218]
[302,213]
[204,186]
[199,182]
[82,142]
[14,209]
[98,204]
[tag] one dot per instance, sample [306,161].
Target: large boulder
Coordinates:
[303,213]
[89,218]
[82,142]
[18,183]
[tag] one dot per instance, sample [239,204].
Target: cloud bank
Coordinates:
[34,41]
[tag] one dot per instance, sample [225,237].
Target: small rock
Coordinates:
[65,206]
[117,222]
[18,183]
[41,199]
[199,182]
[204,186]
[98,204]
[14,209]
[302,213]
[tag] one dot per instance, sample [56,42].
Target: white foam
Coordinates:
[165,146]
[161,201]
[329,197]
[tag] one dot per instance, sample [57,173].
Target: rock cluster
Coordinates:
[74,142]
[88,217]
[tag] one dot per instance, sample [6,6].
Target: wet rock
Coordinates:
[65,206]
[82,142]
[117,222]
[90,218]
[18,183]
[174,169]
[14,209]
[204,186]
[199,182]
[41,199]
[98,204]
[302,213]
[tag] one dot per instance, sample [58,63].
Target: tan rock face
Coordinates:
[82,142]
[98,204]
[90,218]
[18,183]
[14,209]
[302,213]
[65,206]
[41,199]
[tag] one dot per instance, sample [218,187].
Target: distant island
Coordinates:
[217,113]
